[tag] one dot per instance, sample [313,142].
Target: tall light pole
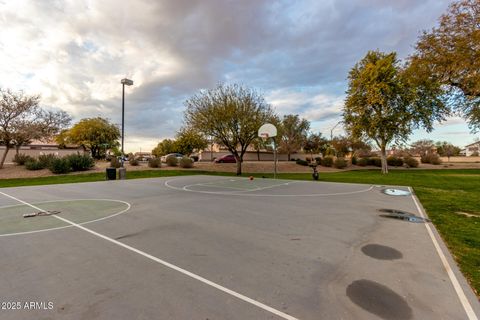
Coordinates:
[124,82]
[331,136]
[331,131]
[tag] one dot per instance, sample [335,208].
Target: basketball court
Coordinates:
[210,247]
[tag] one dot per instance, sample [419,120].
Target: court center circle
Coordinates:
[80,211]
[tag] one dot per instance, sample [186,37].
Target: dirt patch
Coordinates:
[470,215]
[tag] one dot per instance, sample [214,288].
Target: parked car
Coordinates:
[179,156]
[229,158]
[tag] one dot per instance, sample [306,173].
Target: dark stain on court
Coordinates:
[381,252]
[379,300]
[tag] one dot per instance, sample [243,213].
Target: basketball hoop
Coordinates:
[266,131]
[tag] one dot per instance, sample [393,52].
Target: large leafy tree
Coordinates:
[422,147]
[294,132]
[23,120]
[315,143]
[164,147]
[94,134]
[190,140]
[384,104]
[449,55]
[232,114]
[446,149]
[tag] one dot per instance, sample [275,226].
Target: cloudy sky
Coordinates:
[297,53]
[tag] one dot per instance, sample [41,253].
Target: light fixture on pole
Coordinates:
[124,82]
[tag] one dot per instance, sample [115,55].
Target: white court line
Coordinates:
[69,226]
[167,264]
[187,187]
[456,285]
[213,186]
[246,194]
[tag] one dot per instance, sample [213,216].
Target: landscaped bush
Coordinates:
[340,163]
[354,160]
[431,158]
[435,159]
[115,163]
[21,158]
[80,162]
[362,162]
[318,160]
[394,161]
[302,162]
[377,162]
[195,158]
[410,162]
[327,161]
[474,154]
[155,162]
[60,165]
[46,159]
[134,162]
[33,164]
[186,162]
[172,161]
[308,159]
[293,159]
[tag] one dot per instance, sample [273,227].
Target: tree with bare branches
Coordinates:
[23,120]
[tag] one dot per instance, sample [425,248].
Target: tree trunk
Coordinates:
[258,154]
[384,159]
[17,149]
[4,156]
[239,164]
[288,156]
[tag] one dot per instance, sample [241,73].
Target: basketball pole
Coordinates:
[274,159]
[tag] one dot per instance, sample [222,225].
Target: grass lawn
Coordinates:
[443,193]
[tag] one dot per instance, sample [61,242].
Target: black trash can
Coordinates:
[111,173]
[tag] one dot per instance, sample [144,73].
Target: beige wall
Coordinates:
[37,152]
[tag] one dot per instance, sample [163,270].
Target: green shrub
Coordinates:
[362,162]
[410,162]
[302,162]
[155,162]
[340,163]
[186,162]
[293,159]
[46,159]
[172,161]
[318,160]
[80,162]
[60,165]
[115,163]
[435,159]
[134,162]
[21,158]
[33,164]
[395,161]
[377,162]
[354,160]
[431,158]
[327,161]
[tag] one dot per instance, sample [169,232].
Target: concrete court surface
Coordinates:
[204,247]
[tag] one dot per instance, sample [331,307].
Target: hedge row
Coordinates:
[327,161]
[72,162]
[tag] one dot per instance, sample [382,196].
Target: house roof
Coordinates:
[472,144]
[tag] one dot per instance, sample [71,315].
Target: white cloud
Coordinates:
[74,53]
